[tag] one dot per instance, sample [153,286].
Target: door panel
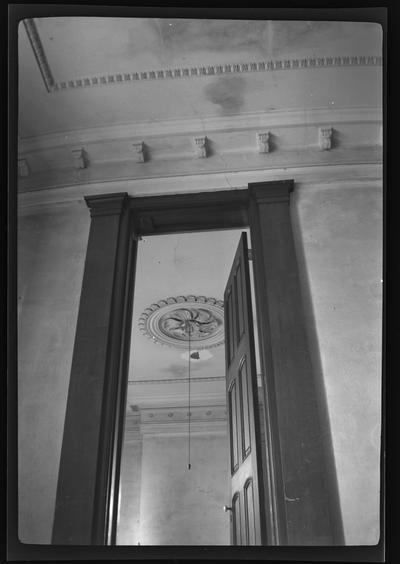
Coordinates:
[234,435]
[245,408]
[229,321]
[248,522]
[240,305]
[236,523]
[250,512]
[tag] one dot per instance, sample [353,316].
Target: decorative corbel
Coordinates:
[80,158]
[23,167]
[325,138]
[138,149]
[201,147]
[263,142]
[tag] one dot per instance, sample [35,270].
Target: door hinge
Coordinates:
[250,254]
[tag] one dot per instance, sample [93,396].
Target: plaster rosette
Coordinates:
[173,321]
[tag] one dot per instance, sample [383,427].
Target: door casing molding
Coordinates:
[120,221]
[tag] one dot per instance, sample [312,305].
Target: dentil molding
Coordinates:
[217,70]
[112,78]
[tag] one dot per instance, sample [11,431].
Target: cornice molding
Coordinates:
[247,121]
[175,380]
[40,55]
[164,419]
[198,71]
[196,428]
[105,154]
[218,70]
[167,412]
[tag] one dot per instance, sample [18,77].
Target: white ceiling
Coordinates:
[173,265]
[78,47]
[82,48]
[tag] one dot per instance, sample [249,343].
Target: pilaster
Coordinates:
[303,504]
[88,471]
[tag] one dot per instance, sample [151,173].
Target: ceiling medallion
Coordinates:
[171,322]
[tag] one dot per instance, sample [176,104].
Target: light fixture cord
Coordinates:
[189,465]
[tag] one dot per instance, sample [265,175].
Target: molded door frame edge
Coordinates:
[160,215]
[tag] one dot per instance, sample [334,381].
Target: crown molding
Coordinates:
[254,121]
[180,429]
[175,420]
[39,53]
[217,70]
[166,413]
[105,154]
[198,71]
[175,380]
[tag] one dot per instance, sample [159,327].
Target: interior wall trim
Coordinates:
[39,52]
[174,419]
[212,70]
[112,78]
[290,117]
[176,380]
[318,176]
[249,162]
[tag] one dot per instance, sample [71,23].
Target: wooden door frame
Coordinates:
[264,208]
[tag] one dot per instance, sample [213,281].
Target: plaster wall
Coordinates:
[51,252]
[180,506]
[130,488]
[338,231]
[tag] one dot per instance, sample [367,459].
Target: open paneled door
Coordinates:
[247,506]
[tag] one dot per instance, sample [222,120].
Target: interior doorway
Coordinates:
[88,484]
[175,469]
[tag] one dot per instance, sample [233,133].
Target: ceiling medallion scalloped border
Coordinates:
[167,322]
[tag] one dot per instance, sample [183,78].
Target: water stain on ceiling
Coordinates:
[227,92]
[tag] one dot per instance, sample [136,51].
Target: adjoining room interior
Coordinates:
[162,501]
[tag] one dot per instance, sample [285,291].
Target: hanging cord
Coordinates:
[189,329]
